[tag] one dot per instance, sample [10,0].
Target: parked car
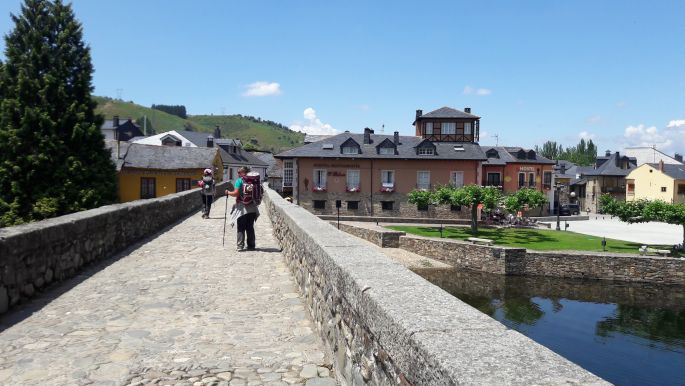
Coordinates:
[569,210]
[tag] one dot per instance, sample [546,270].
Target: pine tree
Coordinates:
[52,155]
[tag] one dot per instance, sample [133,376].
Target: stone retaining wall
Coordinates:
[36,254]
[519,261]
[385,325]
[384,239]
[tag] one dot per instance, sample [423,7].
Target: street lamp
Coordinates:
[557,189]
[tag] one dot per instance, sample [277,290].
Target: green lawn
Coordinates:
[535,239]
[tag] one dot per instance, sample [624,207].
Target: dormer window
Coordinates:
[531,154]
[492,153]
[387,147]
[386,151]
[350,150]
[426,151]
[350,146]
[521,154]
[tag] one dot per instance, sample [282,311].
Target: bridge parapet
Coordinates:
[36,254]
[386,325]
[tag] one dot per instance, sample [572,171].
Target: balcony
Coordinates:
[387,187]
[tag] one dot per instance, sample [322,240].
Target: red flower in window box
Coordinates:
[387,189]
[319,189]
[353,189]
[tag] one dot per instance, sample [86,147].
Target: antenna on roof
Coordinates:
[496,139]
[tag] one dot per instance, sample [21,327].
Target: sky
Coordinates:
[610,71]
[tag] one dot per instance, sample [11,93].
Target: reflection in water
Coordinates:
[605,327]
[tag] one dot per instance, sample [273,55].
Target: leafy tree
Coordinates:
[550,150]
[525,197]
[52,155]
[250,147]
[584,154]
[422,198]
[644,211]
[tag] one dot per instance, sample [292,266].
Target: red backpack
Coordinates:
[251,191]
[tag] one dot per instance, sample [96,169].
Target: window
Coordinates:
[287,173]
[494,179]
[320,178]
[182,184]
[147,188]
[319,204]
[467,128]
[448,128]
[388,178]
[386,151]
[681,189]
[455,208]
[350,150]
[352,205]
[457,179]
[426,151]
[423,180]
[429,128]
[387,205]
[531,179]
[353,179]
[547,179]
[663,188]
[631,188]
[522,180]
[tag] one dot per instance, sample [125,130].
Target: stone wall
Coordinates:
[384,239]
[37,254]
[519,261]
[385,325]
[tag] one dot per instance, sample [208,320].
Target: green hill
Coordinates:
[264,135]
[260,134]
[157,121]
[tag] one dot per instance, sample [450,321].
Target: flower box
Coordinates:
[387,189]
[352,189]
[319,189]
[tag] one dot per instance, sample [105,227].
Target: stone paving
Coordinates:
[177,309]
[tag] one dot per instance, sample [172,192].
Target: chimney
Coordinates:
[210,141]
[618,160]
[367,135]
[217,132]
[419,113]
[661,166]
[397,138]
[563,168]
[678,157]
[115,121]
[608,153]
[467,110]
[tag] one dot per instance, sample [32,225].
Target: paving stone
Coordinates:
[321,382]
[173,306]
[309,371]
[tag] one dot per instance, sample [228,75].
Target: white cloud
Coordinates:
[262,89]
[313,125]
[468,90]
[586,136]
[620,104]
[594,119]
[670,138]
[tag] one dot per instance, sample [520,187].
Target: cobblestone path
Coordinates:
[177,309]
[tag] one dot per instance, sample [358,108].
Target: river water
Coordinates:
[626,333]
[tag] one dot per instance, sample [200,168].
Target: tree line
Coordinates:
[583,154]
[177,110]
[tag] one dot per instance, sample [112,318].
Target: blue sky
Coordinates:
[534,71]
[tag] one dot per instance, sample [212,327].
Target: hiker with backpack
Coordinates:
[248,193]
[208,190]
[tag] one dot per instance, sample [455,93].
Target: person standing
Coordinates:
[246,212]
[208,190]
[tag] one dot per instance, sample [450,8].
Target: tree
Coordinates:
[525,197]
[52,155]
[584,154]
[550,150]
[644,211]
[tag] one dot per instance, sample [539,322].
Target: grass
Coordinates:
[534,239]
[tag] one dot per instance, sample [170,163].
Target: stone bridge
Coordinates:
[173,306]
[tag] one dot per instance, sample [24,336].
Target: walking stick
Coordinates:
[223,239]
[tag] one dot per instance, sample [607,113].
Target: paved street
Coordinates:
[177,309]
[647,233]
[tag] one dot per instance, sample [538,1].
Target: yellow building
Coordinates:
[656,182]
[149,171]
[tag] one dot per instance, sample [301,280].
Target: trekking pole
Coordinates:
[223,239]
